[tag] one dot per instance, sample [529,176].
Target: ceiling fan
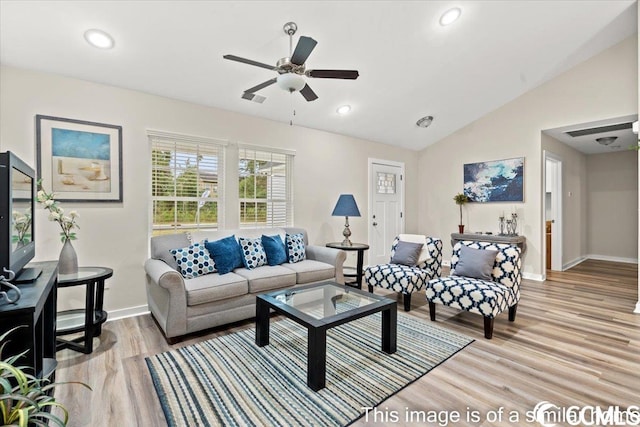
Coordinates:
[291,69]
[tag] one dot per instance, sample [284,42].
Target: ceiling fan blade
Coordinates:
[249,61]
[261,86]
[303,50]
[308,93]
[333,74]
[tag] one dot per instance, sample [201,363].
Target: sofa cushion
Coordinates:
[253,254]
[274,247]
[214,287]
[194,261]
[295,247]
[407,253]
[308,271]
[267,277]
[161,247]
[476,263]
[226,254]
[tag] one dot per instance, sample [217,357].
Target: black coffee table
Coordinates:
[319,307]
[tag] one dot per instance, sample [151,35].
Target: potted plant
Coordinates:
[24,399]
[460,200]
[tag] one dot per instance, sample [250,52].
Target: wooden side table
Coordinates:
[88,320]
[352,272]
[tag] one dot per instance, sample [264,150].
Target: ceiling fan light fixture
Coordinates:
[291,82]
[450,16]
[424,121]
[99,39]
[606,140]
[343,109]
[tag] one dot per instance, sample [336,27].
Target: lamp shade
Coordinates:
[346,206]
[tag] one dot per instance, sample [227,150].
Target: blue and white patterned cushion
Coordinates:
[253,254]
[405,279]
[194,261]
[486,297]
[295,247]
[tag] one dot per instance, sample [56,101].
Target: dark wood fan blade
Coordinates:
[249,61]
[308,93]
[303,50]
[261,86]
[333,74]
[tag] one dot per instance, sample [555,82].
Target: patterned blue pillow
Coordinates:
[253,254]
[295,247]
[194,261]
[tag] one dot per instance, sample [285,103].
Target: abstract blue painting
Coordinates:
[495,181]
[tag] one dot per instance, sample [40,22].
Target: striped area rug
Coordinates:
[229,381]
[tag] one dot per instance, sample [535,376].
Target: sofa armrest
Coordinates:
[167,297]
[332,256]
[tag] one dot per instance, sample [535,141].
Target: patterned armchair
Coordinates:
[488,298]
[406,279]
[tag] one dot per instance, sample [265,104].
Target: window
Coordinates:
[186,182]
[265,187]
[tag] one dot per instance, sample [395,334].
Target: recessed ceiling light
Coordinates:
[425,121]
[344,109]
[450,16]
[99,39]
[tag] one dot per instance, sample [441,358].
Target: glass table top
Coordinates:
[84,273]
[325,300]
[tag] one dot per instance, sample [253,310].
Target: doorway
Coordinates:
[552,209]
[386,207]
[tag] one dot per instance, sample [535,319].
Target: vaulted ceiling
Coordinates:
[410,66]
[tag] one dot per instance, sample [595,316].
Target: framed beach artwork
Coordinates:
[495,181]
[80,161]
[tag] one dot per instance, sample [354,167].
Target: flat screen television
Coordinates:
[17,209]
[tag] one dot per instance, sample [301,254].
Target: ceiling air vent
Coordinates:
[601,129]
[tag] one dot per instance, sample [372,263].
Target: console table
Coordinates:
[35,313]
[90,319]
[519,241]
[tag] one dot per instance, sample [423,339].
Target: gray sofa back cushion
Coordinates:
[161,245]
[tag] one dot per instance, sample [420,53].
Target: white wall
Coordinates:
[588,92]
[612,206]
[116,235]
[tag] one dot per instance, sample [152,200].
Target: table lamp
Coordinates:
[346,207]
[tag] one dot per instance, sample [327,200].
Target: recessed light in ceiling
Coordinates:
[450,16]
[344,109]
[425,121]
[99,39]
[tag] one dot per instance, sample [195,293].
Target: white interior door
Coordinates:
[553,207]
[386,206]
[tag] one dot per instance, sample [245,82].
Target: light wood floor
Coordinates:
[575,341]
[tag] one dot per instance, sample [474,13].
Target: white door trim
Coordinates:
[371,162]
[556,236]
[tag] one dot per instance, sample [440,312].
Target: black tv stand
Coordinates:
[28,275]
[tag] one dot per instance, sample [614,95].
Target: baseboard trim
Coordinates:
[637,310]
[613,258]
[128,312]
[532,276]
[573,263]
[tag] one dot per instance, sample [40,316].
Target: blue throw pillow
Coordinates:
[295,247]
[226,254]
[253,254]
[194,261]
[274,247]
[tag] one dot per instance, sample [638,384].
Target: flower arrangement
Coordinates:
[57,214]
[22,225]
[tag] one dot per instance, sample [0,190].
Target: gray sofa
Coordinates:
[182,306]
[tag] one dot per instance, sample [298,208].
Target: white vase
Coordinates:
[68,261]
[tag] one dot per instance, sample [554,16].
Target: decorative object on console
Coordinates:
[495,181]
[83,160]
[4,295]
[508,227]
[68,262]
[460,200]
[346,207]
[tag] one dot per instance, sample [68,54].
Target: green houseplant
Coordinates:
[460,200]
[25,399]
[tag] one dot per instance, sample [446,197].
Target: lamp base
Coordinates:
[346,233]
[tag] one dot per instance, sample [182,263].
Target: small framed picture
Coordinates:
[80,161]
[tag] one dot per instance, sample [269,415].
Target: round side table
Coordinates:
[352,272]
[88,320]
